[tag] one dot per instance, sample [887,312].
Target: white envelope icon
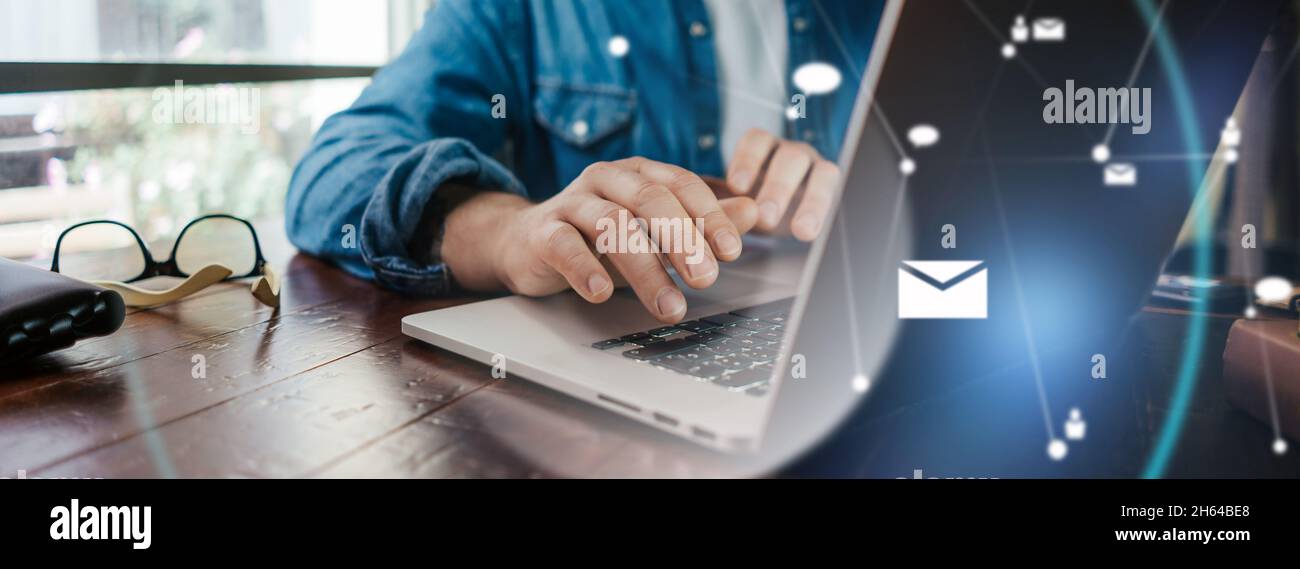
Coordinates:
[1049,29]
[943,289]
[1120,174]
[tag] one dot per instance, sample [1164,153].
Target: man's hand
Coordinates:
[778,172]
[498,240]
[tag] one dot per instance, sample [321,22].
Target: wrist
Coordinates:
[475,237]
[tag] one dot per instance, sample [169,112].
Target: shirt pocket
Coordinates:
[586,123]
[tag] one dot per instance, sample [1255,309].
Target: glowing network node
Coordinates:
[1057,449]
[907,166]
[861,383]
[618,46]
[1008,51]
[1279,446]
[1101,153]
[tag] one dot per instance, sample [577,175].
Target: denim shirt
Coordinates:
[520,96]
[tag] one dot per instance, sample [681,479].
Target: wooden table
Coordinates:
[327,386]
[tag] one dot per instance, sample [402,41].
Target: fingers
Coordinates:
[567,252]
[752,153]
[742,212]
[700,202]
[815,207]
[595,218]
[785,173]
[670,226]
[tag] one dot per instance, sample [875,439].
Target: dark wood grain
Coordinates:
[326,386]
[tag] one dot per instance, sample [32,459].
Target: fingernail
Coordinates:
[728,243]
[741,181]
[596,284]
[702,267]
[670,302]
[767,211]
[810,223]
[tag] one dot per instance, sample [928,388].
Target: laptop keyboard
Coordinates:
[735,350]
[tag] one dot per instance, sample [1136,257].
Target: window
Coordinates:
[89,125]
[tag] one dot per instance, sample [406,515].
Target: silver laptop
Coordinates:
[770,360]
[714,378]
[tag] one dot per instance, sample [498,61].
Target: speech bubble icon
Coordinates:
[1273,289]
[923,135]
[817,78]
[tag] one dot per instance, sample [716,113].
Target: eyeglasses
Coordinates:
[209,250]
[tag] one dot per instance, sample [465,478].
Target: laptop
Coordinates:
[957,248]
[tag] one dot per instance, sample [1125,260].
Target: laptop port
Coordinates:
[623,404]
[703,434]
[665,419]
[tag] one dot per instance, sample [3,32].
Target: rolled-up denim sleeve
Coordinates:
[360,196]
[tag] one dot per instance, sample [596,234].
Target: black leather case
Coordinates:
[43,311]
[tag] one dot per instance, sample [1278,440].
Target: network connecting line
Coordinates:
[1170,157]
[1137,66]
[1279,443]
[1056,448]
[860,381]
[1100,153]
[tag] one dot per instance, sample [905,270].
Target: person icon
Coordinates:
[1020,30]
[1075,427]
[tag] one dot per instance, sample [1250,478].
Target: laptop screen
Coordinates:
[1018,183]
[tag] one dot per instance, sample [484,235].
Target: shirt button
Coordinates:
[579,128]
[707,142]
[800,24]
[698,29]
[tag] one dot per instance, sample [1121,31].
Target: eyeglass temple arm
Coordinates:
[138,297]
[267,288]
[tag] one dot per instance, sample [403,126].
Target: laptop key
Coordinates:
[697,353]
[658,349]
[665,331]
[677,363]
[770,336]
[709,337]
[729,346]
[724,319]
[607,344]
[765,309]
[635,338]
[732,363]
[697,326]
[743,379]
[708,370]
